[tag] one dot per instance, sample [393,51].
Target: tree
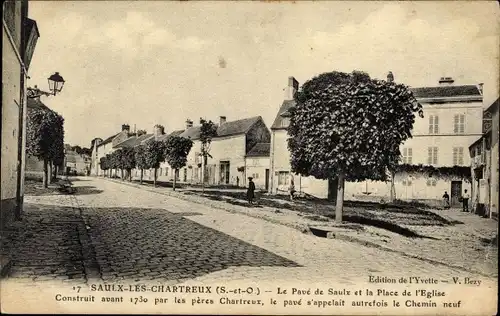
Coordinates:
[104,163]
[45,138]
[208,130]
[77,149]
[349,127]
[128,160]
[176,151]
[140,159]
[155,154]
[141,132]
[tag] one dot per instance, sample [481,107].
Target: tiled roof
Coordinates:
[446,91]
[493,107]
[283,112]
[260,150]
[108,140]
[144,138]
[174,133]
[129,142]
[227,129]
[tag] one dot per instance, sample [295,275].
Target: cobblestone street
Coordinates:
[137,235]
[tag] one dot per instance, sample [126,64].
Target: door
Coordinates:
[456,193]
[267,179]
[224,172]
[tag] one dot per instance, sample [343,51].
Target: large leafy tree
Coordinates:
[140,159]
[45,138]
[348,126]
[128,161]
[176,151]
[155,155]
[208,130]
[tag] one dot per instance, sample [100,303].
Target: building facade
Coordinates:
[452,121]
[484,166]
[19,37]
[280,168]
[258,165]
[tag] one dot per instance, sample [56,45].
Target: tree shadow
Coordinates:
[79,190]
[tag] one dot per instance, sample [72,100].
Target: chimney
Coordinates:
[480,87]
[189,124]
[126,127]
[390,77]
[222,120]
[159,130]
[291,89]
[446,81]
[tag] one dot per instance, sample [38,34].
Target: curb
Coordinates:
[304,228]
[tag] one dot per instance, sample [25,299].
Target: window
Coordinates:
[431,182]
[255,175]
[160,171]
[459,124]
[458,156]
[283,178]
[166,171]
[432,156]
[407,155]
[197,157]
[433,124]
[285,121]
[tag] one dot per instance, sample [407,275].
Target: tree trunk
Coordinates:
[45,175]
[122,174]
[393,187]
[175,178]
[154,177]
[49,173]
[55,172]
[339,207]
[130,175]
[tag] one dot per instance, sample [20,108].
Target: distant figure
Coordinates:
[465,201]
[237,181]
[446,199]
[291,189]
[250,190]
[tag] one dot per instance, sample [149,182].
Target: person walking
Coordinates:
[250,190]
[291,189]
[446,200]
[465,201]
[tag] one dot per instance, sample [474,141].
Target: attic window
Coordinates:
[285,121]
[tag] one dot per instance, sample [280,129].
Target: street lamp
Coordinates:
[56,83]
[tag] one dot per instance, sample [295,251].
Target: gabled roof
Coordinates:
[174,133]
[283,112]
[108,140]
[227,129]
[260,150]
[446,92]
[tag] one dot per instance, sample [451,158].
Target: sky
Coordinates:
[156,62]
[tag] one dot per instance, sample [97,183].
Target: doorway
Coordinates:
[456,193]
[267,179]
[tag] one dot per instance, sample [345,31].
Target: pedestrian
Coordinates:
[465,201]
[291,189]
[237,181]
[250,190]
[446,200]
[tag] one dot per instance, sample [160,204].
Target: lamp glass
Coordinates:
[56,83]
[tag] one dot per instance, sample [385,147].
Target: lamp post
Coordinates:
[56,83]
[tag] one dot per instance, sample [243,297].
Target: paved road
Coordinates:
[137,235]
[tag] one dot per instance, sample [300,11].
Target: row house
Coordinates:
[19,37]
[101,148]
[484,166]
[227,164]
[452,121]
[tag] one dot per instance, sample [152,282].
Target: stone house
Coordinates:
[280,168]
[228,150]
[19,38]
[484,165]
[257,165]
[452,121]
